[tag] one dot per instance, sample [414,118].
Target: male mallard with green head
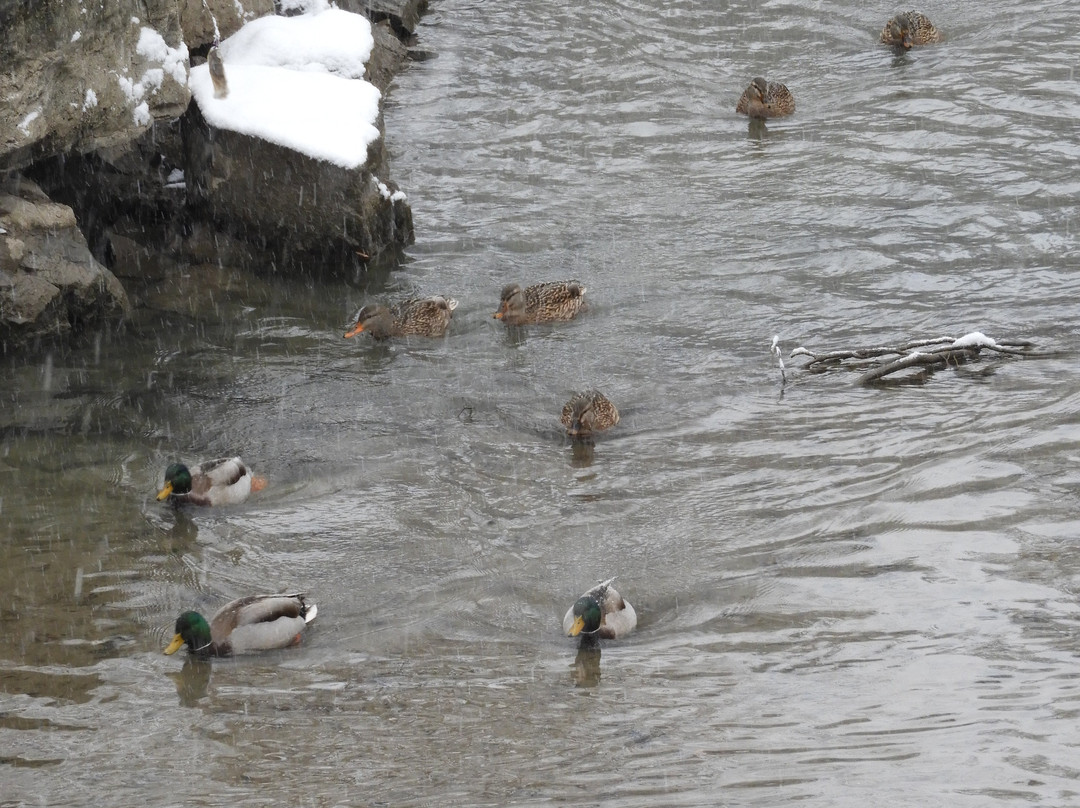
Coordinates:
[219,482]
[766,99]
[587,413]
[909,28]
[541,303]
[255,623]
[601,613]
[421,317]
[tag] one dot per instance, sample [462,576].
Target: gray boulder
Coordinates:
[76,82]
[49,282]
[97,112]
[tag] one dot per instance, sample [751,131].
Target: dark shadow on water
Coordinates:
[179,531]
[586,668]
[516,335]
[582,453]
[378,353]
[192,680]
[370,276]
[757,129]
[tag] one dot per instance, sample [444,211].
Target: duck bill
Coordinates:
[499,314]
[355,330]
[164,492]
[579,624]
[175,645]
[579,430]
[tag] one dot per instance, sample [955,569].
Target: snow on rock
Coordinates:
[168,62]
[330,41]
[173,61]
[297,82]
[24,124]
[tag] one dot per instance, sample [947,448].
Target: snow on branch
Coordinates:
[883,361]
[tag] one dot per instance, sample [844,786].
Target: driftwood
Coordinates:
[940,352]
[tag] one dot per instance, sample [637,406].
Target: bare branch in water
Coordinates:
[775,350]
[937,352]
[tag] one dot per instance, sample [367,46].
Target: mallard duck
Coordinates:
[220,482]
[587,413]
[255,623]
[766,99]
[422,317]
[600,613]
[541,303]
[909,28]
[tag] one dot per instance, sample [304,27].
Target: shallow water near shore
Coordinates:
[846,594]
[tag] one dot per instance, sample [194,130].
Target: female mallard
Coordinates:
[255,623]
[766,99]
[909,28]
[220,482]
[542,303]
[422,317]
[600,613]
[587,413]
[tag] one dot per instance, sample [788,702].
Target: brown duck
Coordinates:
[422,317]
[587,413]
[542,303]
[908,29]
[766,99]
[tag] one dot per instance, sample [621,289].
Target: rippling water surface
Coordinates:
[848,596]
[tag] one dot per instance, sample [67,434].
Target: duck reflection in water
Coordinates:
[182,536]
[601,613]
[582,453]
[586,668]
[192,680]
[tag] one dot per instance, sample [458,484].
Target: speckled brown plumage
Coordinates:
[587,413]
[542,303]
[909,28]
[766,99]
[422,317]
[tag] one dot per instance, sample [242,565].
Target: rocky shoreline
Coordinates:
[106,160]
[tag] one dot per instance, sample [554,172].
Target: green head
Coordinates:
[191,628]
[177,481]
[586,616]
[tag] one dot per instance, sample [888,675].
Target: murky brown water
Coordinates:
[848,596]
